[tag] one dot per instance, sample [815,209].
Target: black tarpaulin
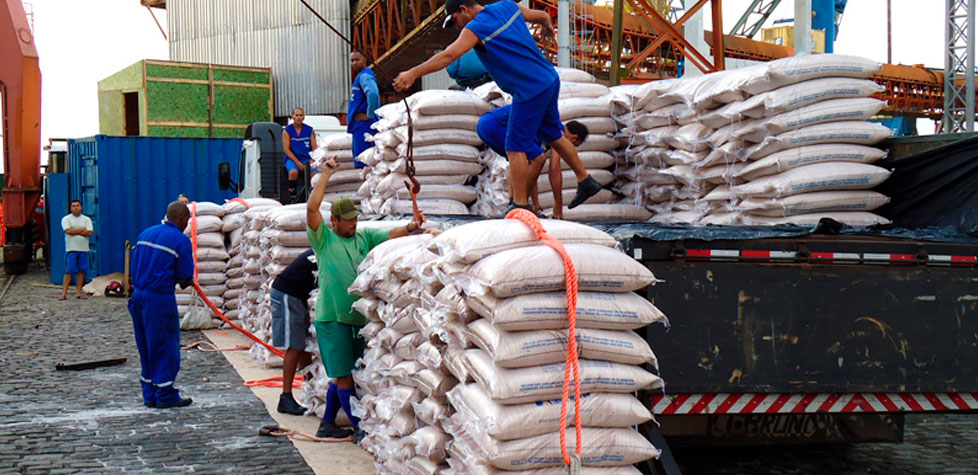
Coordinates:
[935,188]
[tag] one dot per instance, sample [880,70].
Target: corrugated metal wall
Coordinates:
[310,64]
[126,183]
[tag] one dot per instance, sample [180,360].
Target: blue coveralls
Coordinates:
[510,54]
[364,98]
[162,255]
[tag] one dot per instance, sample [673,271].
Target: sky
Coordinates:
[82,42]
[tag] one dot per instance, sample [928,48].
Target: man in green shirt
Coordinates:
[339,252]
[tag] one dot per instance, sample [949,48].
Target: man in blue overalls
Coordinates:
[162,259]
[501,39]
[364,100]
[298,139]
[492,130]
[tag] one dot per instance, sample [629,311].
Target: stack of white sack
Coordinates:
[402,384]
[280,235]
[446,157]
[234,229]
[782,142]
[210,259]
[581,100]
[461,309]
[347,180]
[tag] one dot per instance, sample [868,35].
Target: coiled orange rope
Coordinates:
[570,275]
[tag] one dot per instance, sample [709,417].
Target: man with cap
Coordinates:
[162,258]
[501,39]
[492,130]
[339,252]
[364,101]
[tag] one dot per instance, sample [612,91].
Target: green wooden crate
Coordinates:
[171,99]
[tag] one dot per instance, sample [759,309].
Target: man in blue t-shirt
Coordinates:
[298,139]
[492,129]
[501,39]
[364,100]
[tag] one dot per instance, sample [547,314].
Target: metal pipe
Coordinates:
[969,75]
[614,71]
[563,33]
[10,280]
[803,27]
[889,33]
[718,47]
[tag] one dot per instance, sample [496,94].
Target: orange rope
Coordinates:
[200,292]
[270,348]
[193,234]
[239,200]
[279,431]
[570,274]
[209,347]
[275,382]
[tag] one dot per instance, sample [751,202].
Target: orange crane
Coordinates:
[20,93]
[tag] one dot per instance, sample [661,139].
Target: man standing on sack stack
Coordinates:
[364,100]
[499,35]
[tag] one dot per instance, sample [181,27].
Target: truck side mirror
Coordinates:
[224,176]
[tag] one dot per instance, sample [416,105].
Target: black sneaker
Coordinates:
[181,403]
[358,436]
[328,430]
[585,189]
[287,405]
[526,207]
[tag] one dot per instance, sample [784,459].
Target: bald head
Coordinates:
[178,214]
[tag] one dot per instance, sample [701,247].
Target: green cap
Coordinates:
[344,208]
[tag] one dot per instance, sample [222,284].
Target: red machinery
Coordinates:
[20,91]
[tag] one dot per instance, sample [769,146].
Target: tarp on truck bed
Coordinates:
[935,188]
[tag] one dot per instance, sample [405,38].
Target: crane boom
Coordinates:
[20,91]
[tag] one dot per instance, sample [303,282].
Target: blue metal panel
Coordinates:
[125,184]
[56,202]
[824,19]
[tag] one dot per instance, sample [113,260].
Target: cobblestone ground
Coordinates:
[94,421]
[933,444]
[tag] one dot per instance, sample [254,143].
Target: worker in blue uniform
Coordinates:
[298,140]
[162,259]
[492,130]
[504,44]
[364,100]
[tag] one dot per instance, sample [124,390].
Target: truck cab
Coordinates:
[261,171]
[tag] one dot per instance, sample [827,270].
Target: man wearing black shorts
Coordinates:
[290,322]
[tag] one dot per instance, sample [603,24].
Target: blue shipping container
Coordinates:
[125,184]
[56,202]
